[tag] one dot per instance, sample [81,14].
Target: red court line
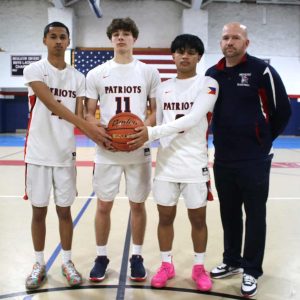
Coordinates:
[88,163]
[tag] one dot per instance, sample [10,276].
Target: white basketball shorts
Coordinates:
[167,193]
[107,178]
[41,179]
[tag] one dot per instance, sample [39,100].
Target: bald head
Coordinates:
[234,42]
[237,28]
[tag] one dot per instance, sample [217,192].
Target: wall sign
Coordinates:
[19,62]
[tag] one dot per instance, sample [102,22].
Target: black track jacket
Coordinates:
[252,109]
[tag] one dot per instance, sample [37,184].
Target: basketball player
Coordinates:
[56,92]
[182,160]
[123,84]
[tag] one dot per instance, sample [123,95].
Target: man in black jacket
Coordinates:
[252,109]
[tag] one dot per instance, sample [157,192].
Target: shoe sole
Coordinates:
[96,279]
[158,286]
[138,279]
[235,272]
[248,296]
[28,287]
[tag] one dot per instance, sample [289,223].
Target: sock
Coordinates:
[199,258]
[101,250]
[39,257]
[166,256]
[66,255]
[136,249]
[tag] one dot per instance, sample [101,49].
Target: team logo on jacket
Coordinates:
[205,171]
[244,79]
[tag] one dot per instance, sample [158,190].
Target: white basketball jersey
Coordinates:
[50,140]
[122,88]
[184,158]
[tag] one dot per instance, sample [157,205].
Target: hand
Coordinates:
[139,138]
[96,132]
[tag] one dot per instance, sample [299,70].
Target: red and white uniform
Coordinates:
[182,107]
[50,140]
[122,88]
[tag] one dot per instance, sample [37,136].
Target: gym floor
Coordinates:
[281,280]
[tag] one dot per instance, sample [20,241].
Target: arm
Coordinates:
[203,104]
[44,94]
[151,120]
[279,103]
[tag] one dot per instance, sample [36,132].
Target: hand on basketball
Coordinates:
[96,132]
[139,138]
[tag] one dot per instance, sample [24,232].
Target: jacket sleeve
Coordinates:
[277,99]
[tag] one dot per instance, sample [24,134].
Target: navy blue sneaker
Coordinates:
[138,272]
[98,272]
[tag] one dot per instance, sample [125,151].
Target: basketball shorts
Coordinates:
[41,179]
[107,178]
[167,193]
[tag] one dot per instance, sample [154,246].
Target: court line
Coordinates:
[11,154]
[124,263]
[145,287]
[149,198]
[76,220]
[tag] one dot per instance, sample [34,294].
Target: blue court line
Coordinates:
[282,142]
[58,248]
[124,264]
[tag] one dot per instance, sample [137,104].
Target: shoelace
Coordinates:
[71,269]
[163,268]
[36,270]
[249,280]
[222,266]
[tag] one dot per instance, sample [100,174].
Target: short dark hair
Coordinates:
[187,41]
[126,24]
[55,24]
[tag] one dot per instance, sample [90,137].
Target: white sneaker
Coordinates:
[249,285]
[224,270]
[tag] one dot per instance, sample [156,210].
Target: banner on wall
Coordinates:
[19,62]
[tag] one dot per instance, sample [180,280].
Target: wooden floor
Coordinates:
[281,280]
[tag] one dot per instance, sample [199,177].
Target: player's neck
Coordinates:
[57,61]
[123,57]
[186,75]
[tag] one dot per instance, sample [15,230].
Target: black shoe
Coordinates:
[249,286]
[98,272]
[224,270]
[138,272]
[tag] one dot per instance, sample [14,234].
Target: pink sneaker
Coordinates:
[163,274]
[202,278]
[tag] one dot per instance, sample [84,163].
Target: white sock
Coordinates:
[101,250]
[199,258]
[166,256]
[137,249]
[39,257]
[66,255]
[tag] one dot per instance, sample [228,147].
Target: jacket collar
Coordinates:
[222,63]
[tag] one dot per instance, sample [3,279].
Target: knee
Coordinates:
[103,207]
[137,208]
[63,213]
[39,214]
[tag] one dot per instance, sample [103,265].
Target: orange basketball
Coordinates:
[120,126]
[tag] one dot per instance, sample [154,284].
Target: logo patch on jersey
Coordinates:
[205,171]
[146,151]
[168,92]
[73,155]
[212,90]
[244,79]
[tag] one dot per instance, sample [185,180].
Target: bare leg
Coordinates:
[165,230]
[38,227]
[138,222]
[102,221]
[199,229]
[65,226]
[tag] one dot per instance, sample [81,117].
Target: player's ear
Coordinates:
[44,41]
[199,57]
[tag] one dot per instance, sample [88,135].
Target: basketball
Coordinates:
[120,127]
